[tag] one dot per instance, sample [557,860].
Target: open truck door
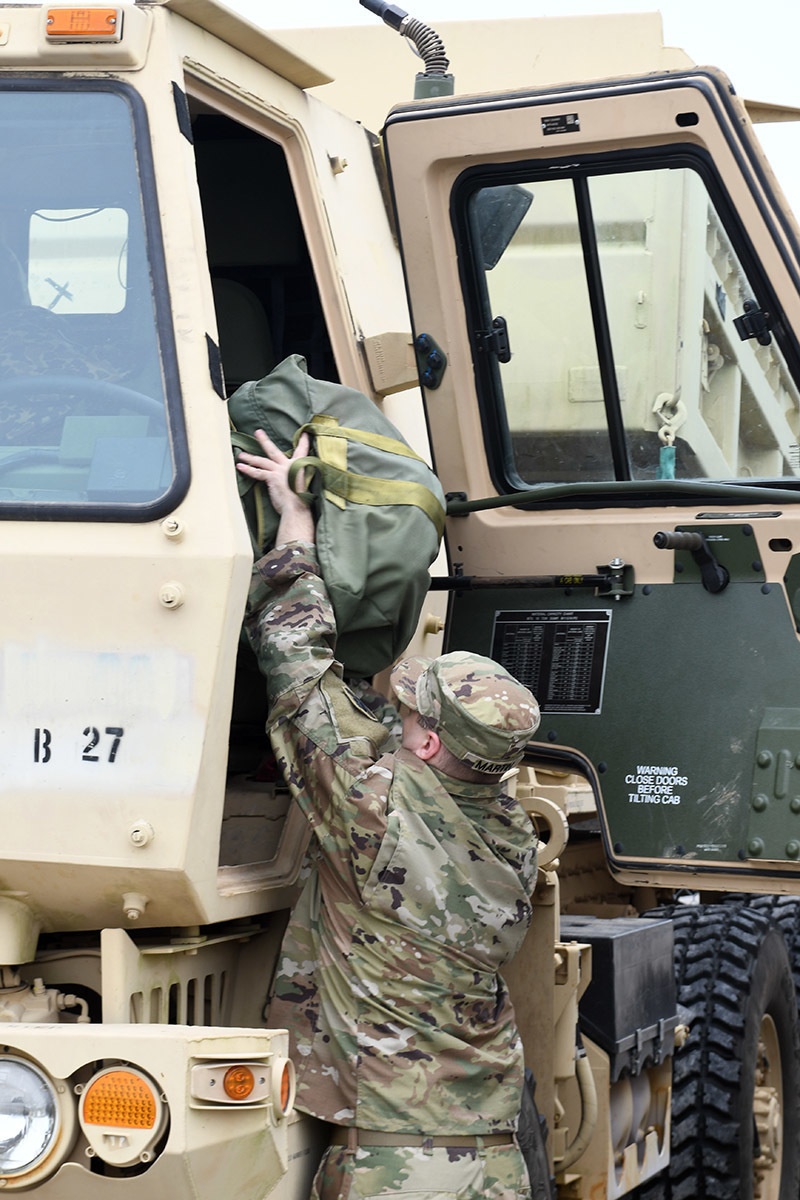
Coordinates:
[604,288]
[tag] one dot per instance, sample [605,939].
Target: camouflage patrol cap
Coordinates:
[483,715]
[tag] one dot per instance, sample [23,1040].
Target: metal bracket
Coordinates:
[619,579]
[713,576]
[755,323]
[431,361]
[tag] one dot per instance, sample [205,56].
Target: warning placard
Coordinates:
[655,785]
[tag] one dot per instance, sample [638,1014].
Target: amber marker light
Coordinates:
[122,1116]
[286,1088]
[283,1087]
[249,1084]
[238,1082]
[84,24]
[121,1099]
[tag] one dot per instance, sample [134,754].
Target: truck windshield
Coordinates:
[84,428]
[621,332]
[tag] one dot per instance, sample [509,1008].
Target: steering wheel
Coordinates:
[115,394]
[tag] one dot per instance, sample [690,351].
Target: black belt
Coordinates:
[352,1136]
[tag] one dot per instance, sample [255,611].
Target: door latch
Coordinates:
[495,340]
[755,323]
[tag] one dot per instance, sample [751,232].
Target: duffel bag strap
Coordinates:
[324,426]
[367,489]
[246,442]
[343,485]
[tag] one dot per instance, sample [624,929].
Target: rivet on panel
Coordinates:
[171,595]
[142,833]
[172,528]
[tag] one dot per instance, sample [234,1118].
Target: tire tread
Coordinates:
[717,950]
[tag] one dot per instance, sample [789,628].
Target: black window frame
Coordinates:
[580,169]
[126,511]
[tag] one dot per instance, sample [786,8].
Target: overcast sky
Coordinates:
[757,43]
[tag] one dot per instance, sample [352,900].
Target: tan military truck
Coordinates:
[603,281]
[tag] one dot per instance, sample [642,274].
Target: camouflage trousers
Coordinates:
[455,1173]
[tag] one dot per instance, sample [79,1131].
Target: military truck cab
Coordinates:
[603,285]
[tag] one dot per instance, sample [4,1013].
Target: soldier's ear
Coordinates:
[429,747]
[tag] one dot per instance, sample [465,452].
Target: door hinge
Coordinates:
[182,112]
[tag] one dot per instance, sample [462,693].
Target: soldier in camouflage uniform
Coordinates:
[403,1033]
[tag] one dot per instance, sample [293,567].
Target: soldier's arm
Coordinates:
[323,738]
[293,631]
[293,634]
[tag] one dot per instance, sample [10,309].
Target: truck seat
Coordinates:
[245,341]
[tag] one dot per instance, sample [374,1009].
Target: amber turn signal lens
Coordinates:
[286,1087]
[283,1087]
[238,1082]
[87,22]
[121,1100]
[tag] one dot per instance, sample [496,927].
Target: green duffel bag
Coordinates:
[379,508]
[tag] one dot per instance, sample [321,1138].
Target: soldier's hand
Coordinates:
[272,468]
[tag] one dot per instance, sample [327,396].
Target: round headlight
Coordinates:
[29,1116]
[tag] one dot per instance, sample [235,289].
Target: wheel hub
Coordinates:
[768,1114]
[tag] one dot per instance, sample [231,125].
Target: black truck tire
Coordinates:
[783,911]
[736,1081]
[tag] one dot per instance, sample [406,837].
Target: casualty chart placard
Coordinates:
[559,654]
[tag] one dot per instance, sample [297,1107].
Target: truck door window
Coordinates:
[618,294]
[83,398]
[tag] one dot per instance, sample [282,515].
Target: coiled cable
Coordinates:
[429,46]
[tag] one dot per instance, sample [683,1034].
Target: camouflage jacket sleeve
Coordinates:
[324,739]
